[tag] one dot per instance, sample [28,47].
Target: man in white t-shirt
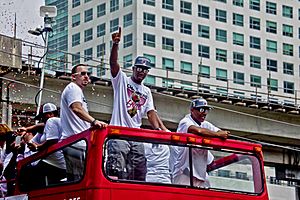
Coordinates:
[194,123]
[75,119]
[53,167]
[132,101]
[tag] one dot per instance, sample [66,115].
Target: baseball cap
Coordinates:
[142,61]
[46,108]
[200,103]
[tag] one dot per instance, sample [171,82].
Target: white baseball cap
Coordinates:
[46,108]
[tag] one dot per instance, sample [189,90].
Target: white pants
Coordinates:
[183,179]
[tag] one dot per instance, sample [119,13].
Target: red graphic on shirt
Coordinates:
[136,101]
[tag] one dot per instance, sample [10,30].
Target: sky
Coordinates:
[28,17]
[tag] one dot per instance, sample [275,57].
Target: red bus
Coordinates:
[235,173]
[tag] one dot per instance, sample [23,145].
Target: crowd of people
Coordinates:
[126,159]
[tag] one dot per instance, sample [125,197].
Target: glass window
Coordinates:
[168,44]
[76,20]
[238,58]
[287,11]
[203,31]
[287,30]
[288,49]
[238,19]
[254,42]
[76,58]
[114,5]
[168,4]
[75,39]
[186,7]
[272,84]
[203,11]
[238,3]
[149,19]
[288,68]
[88,34]
[127,60]
[127,20]
[185,67]
[272,65]
[88,15]
[149,80]
[149,40]
[101,50]
[271,8]
[72,157]
[238,78]
[221,74]
[221,15]
[149,2]
[168,64]
[272,46]
[88,54]
[221,55]
[86,1]
[168,23]
[255,81]
[186,27]
[151,58]
[254,5]
[114,25]
[255,23]
[203,51]
[101,30]
[255,62]
[204,71]
[288,87]
[271,27]
[186,47]
[101,10]
[127,3]
[127,40]
[75,3]
[166,82]
[238,39]
[221,35]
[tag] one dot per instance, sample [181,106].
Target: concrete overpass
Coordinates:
[258,124]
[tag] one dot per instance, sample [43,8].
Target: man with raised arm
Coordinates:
[194,123]
[132,101]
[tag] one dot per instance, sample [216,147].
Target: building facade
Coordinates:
[56,58]
[238,48]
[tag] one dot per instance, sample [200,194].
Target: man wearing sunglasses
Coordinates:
[132,101]
[195,123]
[75,118]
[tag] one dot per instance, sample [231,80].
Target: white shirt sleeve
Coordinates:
[51,129]
[150,104]
[73,95]
[184,125]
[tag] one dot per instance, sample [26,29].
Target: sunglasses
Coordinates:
[202,110]
[141,69]
[83,73]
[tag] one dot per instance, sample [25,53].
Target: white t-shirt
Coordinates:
[52,131]
[201,157]
[71,124]
[157,156]
[131,101]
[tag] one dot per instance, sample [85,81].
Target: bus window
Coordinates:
[174,165]
[60,167]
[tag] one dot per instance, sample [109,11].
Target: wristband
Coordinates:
[93,122]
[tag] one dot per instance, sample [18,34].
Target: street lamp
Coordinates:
[48,12]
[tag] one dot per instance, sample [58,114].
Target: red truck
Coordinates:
[237,171]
